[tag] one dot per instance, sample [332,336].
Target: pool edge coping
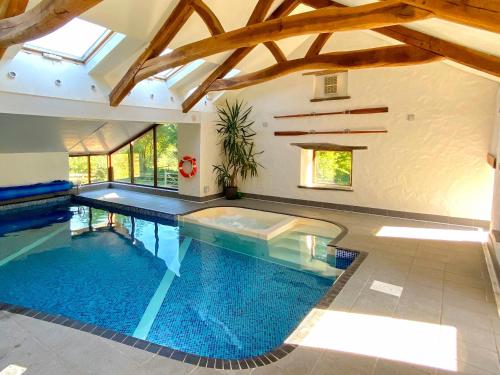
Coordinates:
[265,359]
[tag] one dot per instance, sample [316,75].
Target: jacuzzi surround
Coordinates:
[255,223]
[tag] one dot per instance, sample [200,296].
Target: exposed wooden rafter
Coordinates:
[44,18]
[11,8]
[383,17]
[210,19]
[258,14]
[369,58]
[276,51]
[318,21]
[163,37]
[482,14]
[318,44]
[466,56]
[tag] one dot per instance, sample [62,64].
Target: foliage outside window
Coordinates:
[79,170]
[166,141]
[143,150]
[143,154]
[333,168]
[98,168]
[120,161]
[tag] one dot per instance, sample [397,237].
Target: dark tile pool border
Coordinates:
[239,364]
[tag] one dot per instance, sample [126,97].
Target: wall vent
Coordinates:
[330,85]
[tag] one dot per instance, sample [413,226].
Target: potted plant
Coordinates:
[236,138]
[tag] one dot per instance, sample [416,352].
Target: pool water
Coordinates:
[190,288]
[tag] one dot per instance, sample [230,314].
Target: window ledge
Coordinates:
[326,187]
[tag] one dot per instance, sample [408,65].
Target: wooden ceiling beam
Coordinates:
[392,56]
[276,51]
[258,15]
[208,17]
[318,44]
[482,14]
[44,18]
[466,56]
[324,20]
[163,37]
[11,8]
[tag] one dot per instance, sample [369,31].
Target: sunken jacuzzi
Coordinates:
[261,224]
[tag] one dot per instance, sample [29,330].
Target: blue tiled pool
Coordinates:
[189,288]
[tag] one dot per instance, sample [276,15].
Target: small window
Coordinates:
[332,168]
[330,85]
[78,40]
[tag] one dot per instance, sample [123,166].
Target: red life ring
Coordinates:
[194,167]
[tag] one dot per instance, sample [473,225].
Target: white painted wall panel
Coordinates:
[30,168]
[435,164]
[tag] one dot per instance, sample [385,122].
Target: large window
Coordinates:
[143,151]
[166,140]
[144,162]
[332,168]
[79,170]
[77,40]
[88,169]
[98,168]
[120,161]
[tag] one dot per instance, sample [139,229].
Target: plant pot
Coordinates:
[231,192]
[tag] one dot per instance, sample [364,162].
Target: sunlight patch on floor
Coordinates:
[13,370]
[434,234]
[110,196]
[409,341]
[391,289]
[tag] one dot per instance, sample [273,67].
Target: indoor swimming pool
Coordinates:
[183,286]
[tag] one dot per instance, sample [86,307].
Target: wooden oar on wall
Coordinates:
[314,132]
[360,111]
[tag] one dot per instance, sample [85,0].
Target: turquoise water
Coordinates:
[187,287]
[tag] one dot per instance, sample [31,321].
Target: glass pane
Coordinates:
[77,39]
[166,138]
[79,170]
[333,167]
[143,160]
[120,161]
[98,168]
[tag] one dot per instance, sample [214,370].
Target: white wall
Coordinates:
[435,164]
[200,141]
[495,150]
[30,168]
[210,154]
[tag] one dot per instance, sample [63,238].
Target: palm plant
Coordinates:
[236,138]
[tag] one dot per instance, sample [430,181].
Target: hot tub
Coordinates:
[255,223]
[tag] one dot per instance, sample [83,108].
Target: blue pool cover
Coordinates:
[147,280]
[16,192]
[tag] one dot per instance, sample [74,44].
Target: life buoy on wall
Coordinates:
[194,167]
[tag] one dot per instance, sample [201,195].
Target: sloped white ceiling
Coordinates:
[23,133]
[140,20]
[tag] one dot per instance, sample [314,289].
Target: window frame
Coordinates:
[89,54]
[326,184]
[129,143]
[89,166]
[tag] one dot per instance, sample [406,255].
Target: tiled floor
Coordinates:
[445,320]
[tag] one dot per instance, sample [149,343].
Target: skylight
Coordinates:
[77,40]
[167,73]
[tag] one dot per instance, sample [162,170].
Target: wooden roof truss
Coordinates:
[385,17]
